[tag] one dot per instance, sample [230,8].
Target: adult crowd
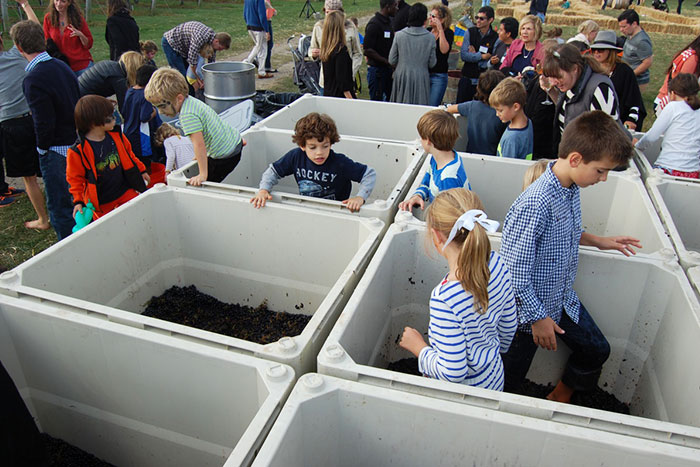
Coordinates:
[407,49]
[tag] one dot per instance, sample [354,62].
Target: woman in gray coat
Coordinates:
[413,54]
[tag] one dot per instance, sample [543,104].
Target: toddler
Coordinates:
[149,49]
[534,172]
[472,310]
[438,131]
[178,149]
[196,78]
[509,98]
[319,171]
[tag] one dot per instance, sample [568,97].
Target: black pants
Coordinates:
[218,169]
[589,349]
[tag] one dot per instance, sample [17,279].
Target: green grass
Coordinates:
[18,243]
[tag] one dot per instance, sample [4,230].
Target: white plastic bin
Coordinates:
[644,307]
[396,166]
[332,422]
[298,260]
[135,398]
[618,206]
[381,121]
[646,159]
[677,204]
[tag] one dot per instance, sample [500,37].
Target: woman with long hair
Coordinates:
[605,50]
[121,32]
[440,20]
[527,50]
[413,54]
[335,59]
[685,61]
[65,25]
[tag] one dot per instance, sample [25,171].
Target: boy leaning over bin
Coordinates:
[217,145]
[541,235]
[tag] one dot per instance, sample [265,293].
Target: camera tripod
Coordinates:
[308,8]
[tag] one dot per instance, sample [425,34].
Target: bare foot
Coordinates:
[561,393]
[38,225]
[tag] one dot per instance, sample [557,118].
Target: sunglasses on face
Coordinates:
[163,105]
[481,18]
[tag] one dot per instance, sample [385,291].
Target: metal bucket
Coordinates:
[227,84]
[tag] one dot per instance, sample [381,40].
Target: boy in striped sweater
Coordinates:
[217,145]
[472,310]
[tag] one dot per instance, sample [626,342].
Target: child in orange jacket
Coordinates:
[101,167]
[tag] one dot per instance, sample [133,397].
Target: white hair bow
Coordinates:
[468,220]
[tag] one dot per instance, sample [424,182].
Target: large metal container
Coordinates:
[227,84]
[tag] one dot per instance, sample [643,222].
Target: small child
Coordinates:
[534,172]
[319,171]
[217,145]
[149,49]
[509,98]
[196,78]
[438,131]
[101,167]
[178,149]
[541,236]
[679,122]
[484,128]
[472,310]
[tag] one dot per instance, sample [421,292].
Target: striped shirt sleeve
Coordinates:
[423,189]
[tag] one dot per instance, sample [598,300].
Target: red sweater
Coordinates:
[78,56]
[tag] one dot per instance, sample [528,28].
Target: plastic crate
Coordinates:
[396,166]
[132,397]
[677,203]
[331,422]
[644,307]
[298,260]
[646,159]
[618,206]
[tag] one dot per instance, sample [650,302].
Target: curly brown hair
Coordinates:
[315,125]
[74,13]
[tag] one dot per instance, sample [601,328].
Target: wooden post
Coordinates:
[153,6]
[5,17]
[87,9]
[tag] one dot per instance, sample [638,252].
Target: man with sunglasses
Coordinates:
[51,90]
[476,51]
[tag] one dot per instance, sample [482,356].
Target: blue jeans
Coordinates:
[80,72]
[175,60]
[58,199]
[268,64]
[438,85]
[485,3]
[379,82]
[589,350]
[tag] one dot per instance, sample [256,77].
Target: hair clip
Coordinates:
[556,54]
[468,220]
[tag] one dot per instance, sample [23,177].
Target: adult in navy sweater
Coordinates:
[51,90]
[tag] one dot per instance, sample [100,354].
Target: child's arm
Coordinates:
[137,162]
[663,121]
[508,324]
[622,244]
[200,155]
[369,178]
[169,155]
[75,176]
[421,195]
[270,178]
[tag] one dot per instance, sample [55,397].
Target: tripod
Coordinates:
[309,8]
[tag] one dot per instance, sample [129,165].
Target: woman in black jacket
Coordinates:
[122,32]
[109,77]
[605,51]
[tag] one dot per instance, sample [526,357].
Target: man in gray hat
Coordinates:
[352,39]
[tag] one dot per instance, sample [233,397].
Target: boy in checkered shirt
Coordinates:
[541,235]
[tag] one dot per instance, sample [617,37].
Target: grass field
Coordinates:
[17,244]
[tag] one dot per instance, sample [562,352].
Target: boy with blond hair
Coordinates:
[438,132]
[217,146]
[508,99]
[541,236]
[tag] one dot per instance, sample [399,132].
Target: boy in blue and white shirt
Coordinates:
[438,131]
[541,235]
[319,171]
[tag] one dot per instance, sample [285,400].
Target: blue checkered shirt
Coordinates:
[541,235]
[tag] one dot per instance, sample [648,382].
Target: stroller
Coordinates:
[306,71]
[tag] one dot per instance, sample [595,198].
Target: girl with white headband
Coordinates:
[472,310]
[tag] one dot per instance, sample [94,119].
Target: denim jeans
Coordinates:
[270,43]
[589,350]
[80,72]
[379,82]
[438,85]
[58,199]
[175,60]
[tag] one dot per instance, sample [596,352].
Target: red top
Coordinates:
[78,56]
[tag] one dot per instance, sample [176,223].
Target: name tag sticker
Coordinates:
[483,49]
[387,34]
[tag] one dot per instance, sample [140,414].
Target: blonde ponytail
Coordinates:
[474,246]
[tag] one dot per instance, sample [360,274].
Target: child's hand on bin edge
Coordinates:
[623,244]
[354,204]
[146,178]
[412,341]
[414,200]
[260,199]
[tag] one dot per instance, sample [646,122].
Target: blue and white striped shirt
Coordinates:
[436,180]
[465,346]
[541,235]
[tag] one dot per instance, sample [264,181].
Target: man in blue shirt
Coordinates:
[541,235]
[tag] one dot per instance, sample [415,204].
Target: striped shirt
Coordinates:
[436,180]
[465,346]
[220,138]
[188,38]
[604,98]
[541,235]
